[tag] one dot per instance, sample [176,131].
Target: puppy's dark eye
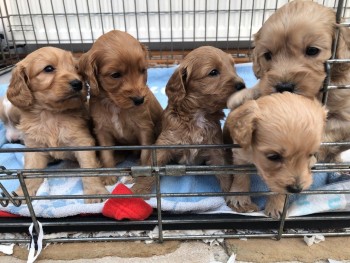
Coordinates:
[214,72]
[116,75]
[312,155]
[143,71]
[49,68]
[312,51]
[274,157]
[268,56]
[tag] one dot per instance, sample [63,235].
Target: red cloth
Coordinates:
[126,208]
[6,214]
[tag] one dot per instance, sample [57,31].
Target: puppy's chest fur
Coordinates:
[199,129]
[118,122]
[53,130]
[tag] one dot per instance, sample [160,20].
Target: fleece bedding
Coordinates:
[157,79]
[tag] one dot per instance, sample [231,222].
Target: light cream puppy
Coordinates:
[280,134]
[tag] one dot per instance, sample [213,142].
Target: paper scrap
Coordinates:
[314,239]
[7,249]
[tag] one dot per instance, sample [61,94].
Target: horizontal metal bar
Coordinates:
[330,87]
[169,195]
[141,147]
[141,13]
[121,148]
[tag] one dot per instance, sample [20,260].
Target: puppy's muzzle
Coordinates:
[138,100]
[285,86]
[294,189]
[240,86]
[76,85]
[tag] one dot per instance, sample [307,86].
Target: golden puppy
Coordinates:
[47,89]
[10,116]
[123,109]
[280,134]
[290,53]
[197,93]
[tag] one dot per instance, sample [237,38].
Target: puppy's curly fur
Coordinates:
[280,134]
[197,93]
[123,109]
[289,55]
[47,89]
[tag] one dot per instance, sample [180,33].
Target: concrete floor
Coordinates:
[332,250]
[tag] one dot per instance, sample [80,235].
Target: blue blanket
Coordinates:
[157,79]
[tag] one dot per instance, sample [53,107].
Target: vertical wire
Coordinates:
[239,27]
[194,20]
[283,217]
[42,18]
[125,27]
[149,32]
[12,35]
[171,32]
[31,19]
[228,25]
[112,9]
[217,20]
[79,25]
[100,13]
[251,27]
[136,21]
[67,24]
[55,21]
[183,28]
[90,20]
[205,20]
[160,32]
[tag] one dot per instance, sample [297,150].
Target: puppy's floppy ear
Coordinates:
[342,52]
[255,56]
[145,50]
[87,69]
[175,88]
[18,91]
[242,123]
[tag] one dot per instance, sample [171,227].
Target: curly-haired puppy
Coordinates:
[47,89]
[123,108]
[280,134]
[290,53]
[10,116]
[197,93]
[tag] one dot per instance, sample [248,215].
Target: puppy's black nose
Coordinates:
[285,86]
[138,100]
[240,86]
[76,85]
[294,189]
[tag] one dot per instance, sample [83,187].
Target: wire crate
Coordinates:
[170,29]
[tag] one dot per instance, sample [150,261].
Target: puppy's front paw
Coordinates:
[109,180]
[236,100]
[95,191]
[127,179]
[241,204]
[274,206]
[32,188]
[20,193]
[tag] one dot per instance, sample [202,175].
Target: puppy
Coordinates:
[47,89]
[289,55]
[123,109]
[10,116]
[197,93]
[280,134]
